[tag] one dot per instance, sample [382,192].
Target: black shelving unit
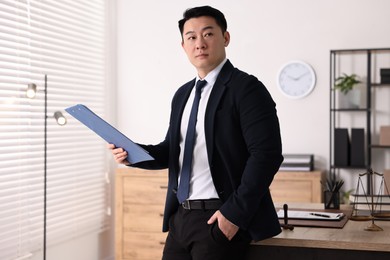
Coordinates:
[335,111]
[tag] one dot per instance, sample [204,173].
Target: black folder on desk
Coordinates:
[135,153]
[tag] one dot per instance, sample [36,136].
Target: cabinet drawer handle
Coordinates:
[162,243]
[163,187]
[161,215]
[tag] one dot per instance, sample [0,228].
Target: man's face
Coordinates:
[204,43]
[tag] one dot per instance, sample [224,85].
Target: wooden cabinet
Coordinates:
[139,204]
[297,187]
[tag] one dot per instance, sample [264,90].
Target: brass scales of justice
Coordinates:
[374,202]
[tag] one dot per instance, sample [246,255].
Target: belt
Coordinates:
[202,204]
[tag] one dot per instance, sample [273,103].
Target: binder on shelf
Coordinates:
[341,147]
[357,147]
[385,76]
[297,162]
[385,80]
[385,71]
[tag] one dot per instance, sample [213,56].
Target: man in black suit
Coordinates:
[236,154]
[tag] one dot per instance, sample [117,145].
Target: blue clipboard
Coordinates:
[111,135]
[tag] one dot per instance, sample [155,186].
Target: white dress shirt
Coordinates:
[201,183]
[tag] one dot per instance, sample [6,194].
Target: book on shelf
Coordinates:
[297,162]
[364,199]
[368,203]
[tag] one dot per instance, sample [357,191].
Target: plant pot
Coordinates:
[354,99]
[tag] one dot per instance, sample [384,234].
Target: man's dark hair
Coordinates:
[203,11]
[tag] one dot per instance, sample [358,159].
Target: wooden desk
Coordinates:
[350,242]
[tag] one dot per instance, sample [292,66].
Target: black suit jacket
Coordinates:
[244,150]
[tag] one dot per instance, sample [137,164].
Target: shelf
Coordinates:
[350,109]
[360,50]
[379,85]
[380,146]
[361,145]
[350,167]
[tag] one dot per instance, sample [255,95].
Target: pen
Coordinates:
[320,215]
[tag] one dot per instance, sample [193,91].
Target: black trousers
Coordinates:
[191,238]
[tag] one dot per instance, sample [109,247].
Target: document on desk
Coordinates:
[110,134]
[311,215]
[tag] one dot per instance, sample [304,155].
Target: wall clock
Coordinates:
[296,79]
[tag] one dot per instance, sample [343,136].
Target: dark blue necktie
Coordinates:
[184,187]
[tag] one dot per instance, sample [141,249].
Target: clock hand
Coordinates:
[302,75]
[293,78]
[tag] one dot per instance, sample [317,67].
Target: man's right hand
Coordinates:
[119,154]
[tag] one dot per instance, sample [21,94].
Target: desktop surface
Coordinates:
[350,242]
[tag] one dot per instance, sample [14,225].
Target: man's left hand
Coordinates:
[227,227]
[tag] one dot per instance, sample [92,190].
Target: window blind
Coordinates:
[65,40]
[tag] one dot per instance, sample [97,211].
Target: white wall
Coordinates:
[264,35]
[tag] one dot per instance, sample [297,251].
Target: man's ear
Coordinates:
[226,35]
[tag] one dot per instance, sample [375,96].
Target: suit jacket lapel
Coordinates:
[212,106]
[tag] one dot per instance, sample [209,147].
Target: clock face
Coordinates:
[296,79]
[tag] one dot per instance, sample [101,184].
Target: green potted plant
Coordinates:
[345,83]
[351,96]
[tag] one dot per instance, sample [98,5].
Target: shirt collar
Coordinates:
[211,77]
